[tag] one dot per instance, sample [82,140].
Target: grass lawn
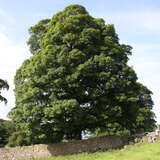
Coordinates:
[139,152]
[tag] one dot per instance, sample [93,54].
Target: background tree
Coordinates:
[6,130]
[78,80]
[3,85]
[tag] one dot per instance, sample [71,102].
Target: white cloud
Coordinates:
[147,20]
[2,13]
[11,57]
[6,21]
[145,58]
[145,47]
[139,20]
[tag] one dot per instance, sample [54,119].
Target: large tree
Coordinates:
[3,85]
[78,80]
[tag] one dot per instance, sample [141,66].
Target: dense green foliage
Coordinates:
[3,139]
[139,152]
[3,85]
[4,126]
[78,80]
[6,129]
[18,138]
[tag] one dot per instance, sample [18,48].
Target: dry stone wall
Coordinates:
[63,148]
[152,136]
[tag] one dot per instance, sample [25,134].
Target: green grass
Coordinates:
[139,152]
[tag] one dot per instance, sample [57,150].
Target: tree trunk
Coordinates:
[78,135]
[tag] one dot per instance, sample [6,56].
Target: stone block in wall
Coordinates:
[63,148]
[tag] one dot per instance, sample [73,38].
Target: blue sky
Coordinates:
[137,24]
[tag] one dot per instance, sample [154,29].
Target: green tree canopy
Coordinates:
[3,85]
[78,80]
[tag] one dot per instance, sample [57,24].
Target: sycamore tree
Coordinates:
[3,85]
[78,80]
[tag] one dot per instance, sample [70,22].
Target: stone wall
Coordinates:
[152,136]
[63,148]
